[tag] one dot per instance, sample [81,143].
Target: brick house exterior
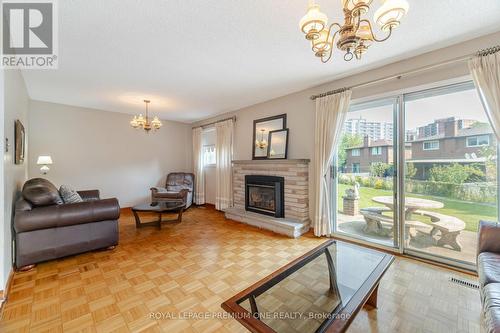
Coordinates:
[449,141]
[359,159]
[445,141]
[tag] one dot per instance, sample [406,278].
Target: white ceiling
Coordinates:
[194,59]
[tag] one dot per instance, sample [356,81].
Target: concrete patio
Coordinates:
[354,225]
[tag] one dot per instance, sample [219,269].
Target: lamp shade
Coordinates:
[44,160]
[314,21]
[390,13]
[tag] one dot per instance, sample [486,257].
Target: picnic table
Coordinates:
[449,227]
[411,204]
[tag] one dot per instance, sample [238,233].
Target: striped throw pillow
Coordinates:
[69,195]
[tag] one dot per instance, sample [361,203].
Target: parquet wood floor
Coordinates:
[192,267]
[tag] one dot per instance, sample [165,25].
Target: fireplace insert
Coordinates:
[265,195]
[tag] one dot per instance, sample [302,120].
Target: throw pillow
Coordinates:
[69,195]
[41,192]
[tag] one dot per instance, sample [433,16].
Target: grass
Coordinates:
[468,212]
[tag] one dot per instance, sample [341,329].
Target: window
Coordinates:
[355,152]
[478,141]
[209,155]
[355,168]
[431,145]
[376,150]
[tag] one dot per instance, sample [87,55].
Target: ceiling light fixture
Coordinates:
[356,34]
[144,123]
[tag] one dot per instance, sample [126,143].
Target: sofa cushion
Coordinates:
[488,267]
[69,195]
[491,307]
[41,192]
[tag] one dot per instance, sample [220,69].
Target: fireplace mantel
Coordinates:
[296,194]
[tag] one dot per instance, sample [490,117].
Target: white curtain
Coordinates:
[330,116]
[223,161]
[199,179]
[485,71]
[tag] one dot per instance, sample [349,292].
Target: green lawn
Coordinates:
[468,212]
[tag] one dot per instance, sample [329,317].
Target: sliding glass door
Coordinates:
[417,172]
[450,172]
[364,173]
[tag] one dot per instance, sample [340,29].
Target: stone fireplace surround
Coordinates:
[296,173]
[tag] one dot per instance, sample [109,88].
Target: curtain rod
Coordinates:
[233,118]
[483,52]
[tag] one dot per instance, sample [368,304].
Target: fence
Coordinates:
[474,192]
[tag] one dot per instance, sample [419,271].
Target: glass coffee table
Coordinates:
[322,291]
[159,208]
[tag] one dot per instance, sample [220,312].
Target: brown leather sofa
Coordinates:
[179,187]
[488,268]
[45,228]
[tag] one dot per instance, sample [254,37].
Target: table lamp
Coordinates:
[44,161]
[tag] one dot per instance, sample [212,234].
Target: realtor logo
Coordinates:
[29,34]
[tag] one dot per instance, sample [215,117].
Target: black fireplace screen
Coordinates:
[261,197]
[265,195]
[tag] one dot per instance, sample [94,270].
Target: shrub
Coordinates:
[477,192]
[388,185]
[366,181]
[379,184]
[410,171]
[456,173]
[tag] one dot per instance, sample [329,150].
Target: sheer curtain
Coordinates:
[199,179]
[330,116]
[223,156]
[485,70]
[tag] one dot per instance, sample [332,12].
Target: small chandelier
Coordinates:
[262,143]
[356,34]
[144,123]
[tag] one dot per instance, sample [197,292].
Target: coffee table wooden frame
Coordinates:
[366,294]
[138,224]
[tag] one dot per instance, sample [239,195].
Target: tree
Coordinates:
[347,141]
[490,155]
[379,169]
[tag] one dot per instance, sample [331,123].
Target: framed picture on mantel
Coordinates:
[278,144]
[261,138]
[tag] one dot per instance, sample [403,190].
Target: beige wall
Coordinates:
[16,104]
[300,109]
[94,149]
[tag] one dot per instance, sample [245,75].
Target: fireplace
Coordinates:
[265,195]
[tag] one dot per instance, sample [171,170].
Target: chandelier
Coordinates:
[356,34]
[262,143]
[144,123]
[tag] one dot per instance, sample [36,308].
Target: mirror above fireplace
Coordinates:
[261,139]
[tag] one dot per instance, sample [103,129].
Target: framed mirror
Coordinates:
[278,144]
[261,129]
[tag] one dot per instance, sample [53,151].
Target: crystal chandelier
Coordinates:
[356,34]
[144,123]
[262,143]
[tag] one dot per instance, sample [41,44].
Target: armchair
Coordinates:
[45,228]
[178,187]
